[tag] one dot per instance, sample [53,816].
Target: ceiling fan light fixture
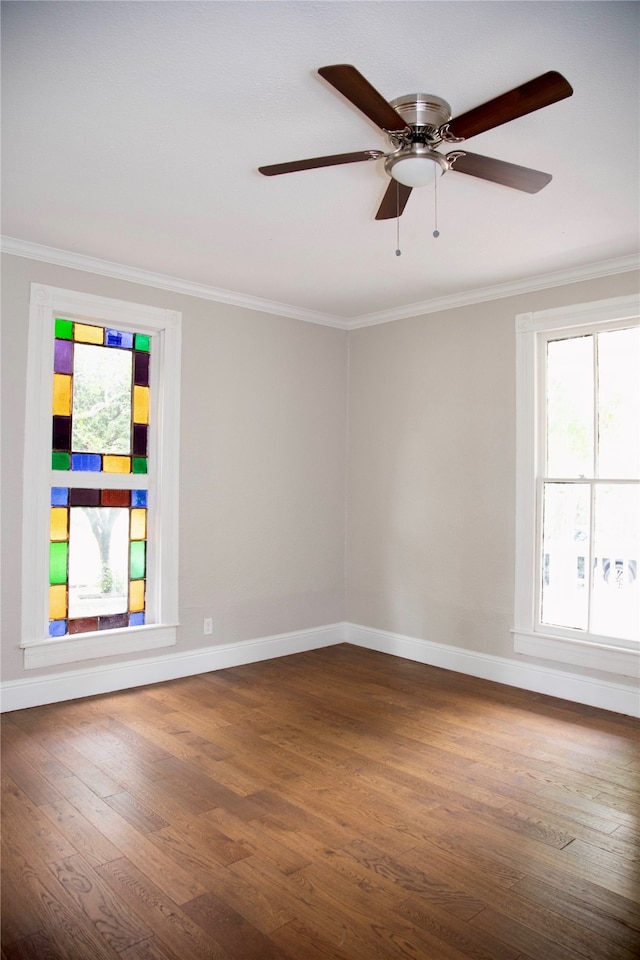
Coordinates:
[415,165]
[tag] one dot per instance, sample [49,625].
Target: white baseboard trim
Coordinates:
[87,682]
[71,685]
[606,694]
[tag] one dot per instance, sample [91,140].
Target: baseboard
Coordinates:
[53,688]
[606,694]
[74,684]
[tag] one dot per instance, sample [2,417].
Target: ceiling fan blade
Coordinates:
[351,84]
[331,161]
[540,92]
[394,201]
[498,171]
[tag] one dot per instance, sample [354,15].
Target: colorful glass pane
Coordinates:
[58,524]
[90,462]
[60,461]
[136,596]
[139,465]
[115,498]
[84,333]
[59,496]
[138,498]
[140,439]
[58,555]
[137,560]
[61,394]
[118,338]
[112,464]
[64,329]
[57,602]
[84,497]
[141,368]
[140,404]
[61,433]
[143,342]
[57,628]
[138,524]
[136,619]
[63,356]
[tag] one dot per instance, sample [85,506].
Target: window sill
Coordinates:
[624,661]
[90,646]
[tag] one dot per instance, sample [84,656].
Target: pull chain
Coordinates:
[436,232]
[398,250]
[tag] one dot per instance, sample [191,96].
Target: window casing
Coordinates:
[542,627]
[54,495]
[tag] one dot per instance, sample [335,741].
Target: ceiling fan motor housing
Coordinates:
[423,110]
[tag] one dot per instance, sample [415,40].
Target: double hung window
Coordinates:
[578,493]
[101,442]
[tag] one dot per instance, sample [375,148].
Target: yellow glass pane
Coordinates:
[58,602]
[86,334]
[112,464]
[59,523]
[61,395]
[141,404]
[136,596]
[138,524]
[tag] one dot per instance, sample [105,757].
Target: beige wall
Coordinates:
[431,466]
[431,469]
[262,463]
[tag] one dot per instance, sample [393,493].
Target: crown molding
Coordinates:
[591,271]
[120,271]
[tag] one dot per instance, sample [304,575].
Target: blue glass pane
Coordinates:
[136,619]
[138,498]
[86,461]
[117,338]
[57,628]
[59,496]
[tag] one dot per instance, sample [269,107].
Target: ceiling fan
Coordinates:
[418,122]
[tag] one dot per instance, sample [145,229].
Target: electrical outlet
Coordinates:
[207,626]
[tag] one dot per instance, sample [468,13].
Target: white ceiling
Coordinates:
[132,132]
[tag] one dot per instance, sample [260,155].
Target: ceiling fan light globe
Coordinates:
[415,171]
[415,165]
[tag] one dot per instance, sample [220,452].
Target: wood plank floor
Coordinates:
[334,805]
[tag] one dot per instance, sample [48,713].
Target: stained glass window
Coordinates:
[98,536]
[97,559]
[100,399]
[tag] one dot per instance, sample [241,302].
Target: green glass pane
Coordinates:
[64,329]
[60,461]
[143,342]
[137,558]
[58,562]
[139,465]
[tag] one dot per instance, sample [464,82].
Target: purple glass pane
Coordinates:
[61,434]
[141,369]
[84,497]
[63,356]
[86,461]
[113,621]
[118,338]
[140,439]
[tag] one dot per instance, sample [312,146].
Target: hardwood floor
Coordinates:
[334,805]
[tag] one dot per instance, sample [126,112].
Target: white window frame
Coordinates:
[164,328]
[572,647]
